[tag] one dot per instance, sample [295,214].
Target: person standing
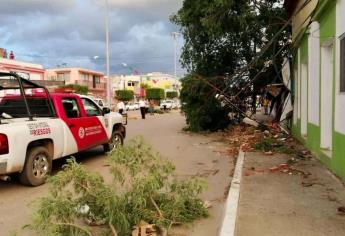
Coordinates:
[266,105]
[142,106]
[121,107]
[12,57]
[152,107]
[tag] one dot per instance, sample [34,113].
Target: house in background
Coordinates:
[94,80]
[319,78]
[27,70]
[153,80]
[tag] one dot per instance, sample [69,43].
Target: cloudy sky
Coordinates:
[72,32]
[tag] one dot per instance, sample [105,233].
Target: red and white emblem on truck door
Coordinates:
[81,132]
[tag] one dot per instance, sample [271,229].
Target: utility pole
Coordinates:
[175,36]
[107,53]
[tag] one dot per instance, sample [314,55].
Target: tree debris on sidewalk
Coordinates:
[143,189]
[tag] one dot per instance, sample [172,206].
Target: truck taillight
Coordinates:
[3,144]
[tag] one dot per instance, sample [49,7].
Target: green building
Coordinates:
[318,34]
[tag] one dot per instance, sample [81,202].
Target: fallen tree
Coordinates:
[143,188]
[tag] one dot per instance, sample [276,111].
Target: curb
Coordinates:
[229,222]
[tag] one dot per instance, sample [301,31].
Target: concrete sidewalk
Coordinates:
[303,201]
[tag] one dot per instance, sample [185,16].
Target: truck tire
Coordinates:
[38,166]
[115,140]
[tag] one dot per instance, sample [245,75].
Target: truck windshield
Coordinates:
[12,103]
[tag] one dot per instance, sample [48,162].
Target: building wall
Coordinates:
[331,21]
[302,13]
[27,70]
[154,80]
[76,76]
[340,97]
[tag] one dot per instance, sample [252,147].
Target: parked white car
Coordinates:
[167,104]
[98,101]
[132,106]
[136,106]
[174,105]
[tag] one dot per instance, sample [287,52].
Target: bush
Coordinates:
[124,95]
[203,112]
[144,187]
[172,94]
[80,89]
[155,93]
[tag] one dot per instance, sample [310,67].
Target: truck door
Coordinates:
[96,120]
[74,120]
[85,131]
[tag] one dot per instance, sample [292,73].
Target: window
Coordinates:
[91,108]
[342,64]
[71,108]
[97,79]
[12,103]
[63,76]
[85,77]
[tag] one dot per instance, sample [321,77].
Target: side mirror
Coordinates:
[106,110]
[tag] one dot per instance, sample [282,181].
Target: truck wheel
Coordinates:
[38,165]
[115,141]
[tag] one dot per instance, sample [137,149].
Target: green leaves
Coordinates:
[80,89]
[124,95]
[202,110]
[143,188]
[155,93]
[222,37]
[172,94]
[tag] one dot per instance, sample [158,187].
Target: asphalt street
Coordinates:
[193,155]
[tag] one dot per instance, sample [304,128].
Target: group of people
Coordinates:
[143,106]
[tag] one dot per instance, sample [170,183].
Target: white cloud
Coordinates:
[52,32]
[10,7]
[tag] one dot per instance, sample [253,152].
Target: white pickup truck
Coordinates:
[37,127]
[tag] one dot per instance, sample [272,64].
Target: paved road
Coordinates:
[192,154]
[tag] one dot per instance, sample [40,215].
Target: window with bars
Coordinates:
[342,63]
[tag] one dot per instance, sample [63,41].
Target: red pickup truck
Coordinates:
[37,127]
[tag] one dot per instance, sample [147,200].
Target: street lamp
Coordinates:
[107,52]
[175,36]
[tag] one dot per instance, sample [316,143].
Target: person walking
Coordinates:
[266,105]
[121,107]
[142,106]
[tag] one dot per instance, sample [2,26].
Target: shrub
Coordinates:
[172,94]
[124,95]
[155,93]
[80,89]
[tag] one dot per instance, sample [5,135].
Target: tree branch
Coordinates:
[75,226]
[112,228]
[156,206]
